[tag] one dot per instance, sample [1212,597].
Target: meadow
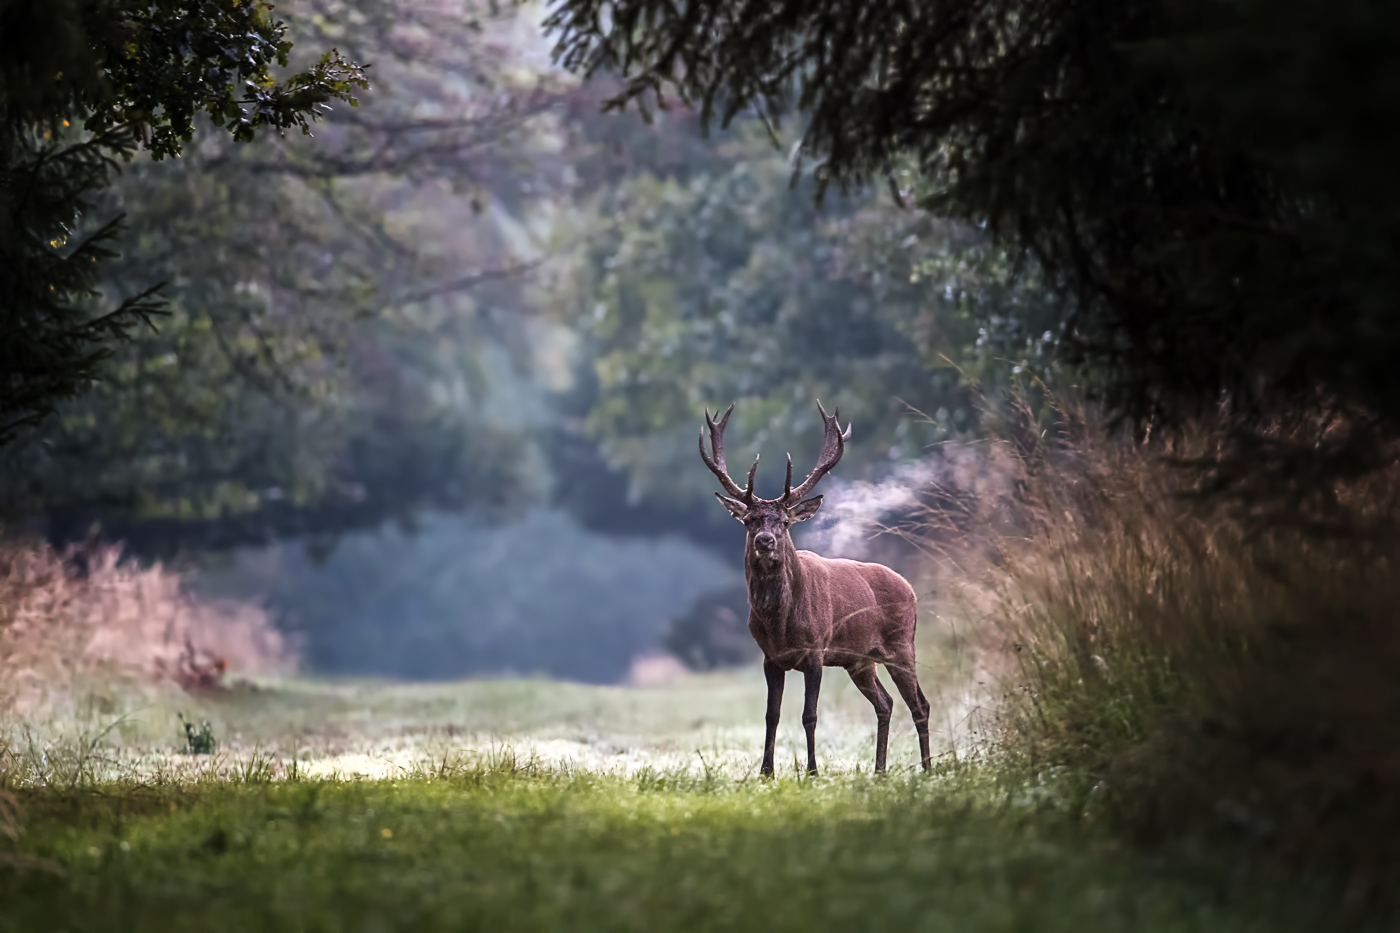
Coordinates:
[529,804]
[1147,716]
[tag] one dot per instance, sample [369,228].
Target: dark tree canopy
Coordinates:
[1211,184]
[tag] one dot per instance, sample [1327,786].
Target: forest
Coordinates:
[353,535]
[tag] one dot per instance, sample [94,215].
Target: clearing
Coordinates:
[527,804]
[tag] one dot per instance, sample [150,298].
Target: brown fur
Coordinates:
[809,612]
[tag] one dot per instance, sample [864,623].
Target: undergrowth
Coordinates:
[1191,676]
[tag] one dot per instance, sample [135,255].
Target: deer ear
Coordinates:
[735,507]
[805,509]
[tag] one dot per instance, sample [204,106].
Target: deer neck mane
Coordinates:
[773,590]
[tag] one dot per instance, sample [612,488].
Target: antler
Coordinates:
[716,464]
[833,446]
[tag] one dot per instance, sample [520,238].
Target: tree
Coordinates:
[1209,185]
[336,310]
[82,85]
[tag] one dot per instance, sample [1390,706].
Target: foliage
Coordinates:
[83,85]
[334,313]
[148,69]
[1204,181]
[726,284]
[1194,676]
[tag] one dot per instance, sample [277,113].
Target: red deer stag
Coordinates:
[808,612]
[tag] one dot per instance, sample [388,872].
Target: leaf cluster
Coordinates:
[149,68]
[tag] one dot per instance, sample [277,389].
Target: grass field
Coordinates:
[523,805]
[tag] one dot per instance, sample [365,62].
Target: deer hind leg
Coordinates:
[774,675]
[869,684]
[813,681]
[908,684]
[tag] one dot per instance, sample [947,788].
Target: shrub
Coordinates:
[1189,670]
[66,615]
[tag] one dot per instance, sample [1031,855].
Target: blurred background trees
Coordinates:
[732,283]
[319,366]
[430,380]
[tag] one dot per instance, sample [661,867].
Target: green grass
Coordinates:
[665,826]
[484,848]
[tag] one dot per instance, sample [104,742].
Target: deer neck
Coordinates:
[773,589]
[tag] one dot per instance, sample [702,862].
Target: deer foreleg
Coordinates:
[774,675]
[813,678]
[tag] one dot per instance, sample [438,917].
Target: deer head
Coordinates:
[768,520]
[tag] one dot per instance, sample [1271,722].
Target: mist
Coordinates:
[454,598]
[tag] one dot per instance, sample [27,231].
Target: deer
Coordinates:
[809,612]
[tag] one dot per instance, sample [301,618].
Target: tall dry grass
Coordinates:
[85,612]
[1186,670]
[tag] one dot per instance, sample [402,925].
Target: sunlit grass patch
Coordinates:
[348,729]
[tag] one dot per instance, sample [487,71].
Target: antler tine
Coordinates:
[787,483]
[833,446]
[748,493]
[716,463]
